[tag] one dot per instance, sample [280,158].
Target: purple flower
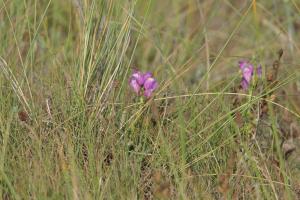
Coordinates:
[143,81]
[247,73]
[135,85]
[149,86]
[138,77]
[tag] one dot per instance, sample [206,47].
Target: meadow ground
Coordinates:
[71,126]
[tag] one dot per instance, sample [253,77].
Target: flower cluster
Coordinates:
[247,73]
[143,82]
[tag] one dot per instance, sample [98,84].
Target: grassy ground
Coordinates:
[72,128]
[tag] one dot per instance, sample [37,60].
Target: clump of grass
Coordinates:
[72,128]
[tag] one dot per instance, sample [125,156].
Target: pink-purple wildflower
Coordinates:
[248,72]
[143,82]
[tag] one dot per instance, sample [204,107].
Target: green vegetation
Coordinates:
[72,128]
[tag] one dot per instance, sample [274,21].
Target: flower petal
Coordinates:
[149,86]
[248,73]
[139,77]
[243,64]
[147,75]
[244,84]
[148,93]
[135,85]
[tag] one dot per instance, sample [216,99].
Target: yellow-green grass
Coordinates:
[72,128]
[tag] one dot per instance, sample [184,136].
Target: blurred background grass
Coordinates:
[71,128]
